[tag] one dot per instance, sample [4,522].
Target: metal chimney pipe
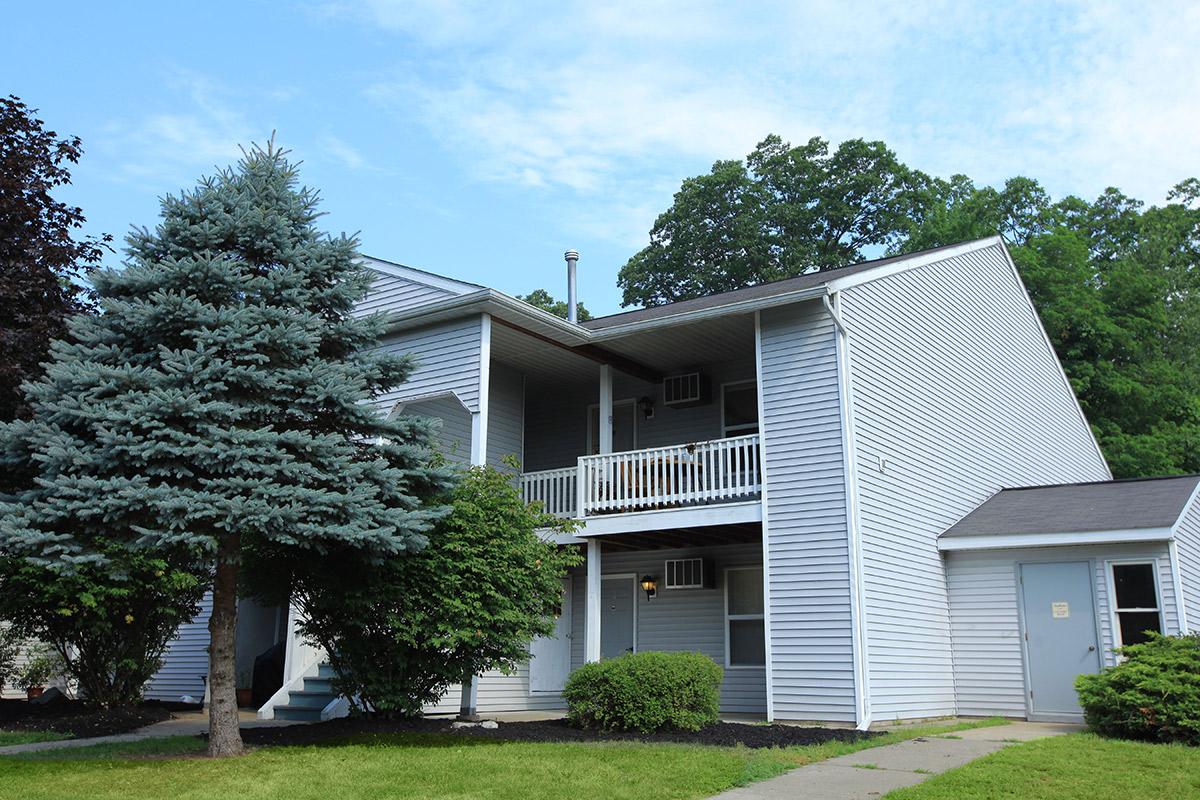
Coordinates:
[572,258]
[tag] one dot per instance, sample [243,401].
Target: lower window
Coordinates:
[1135,587]
[744,630]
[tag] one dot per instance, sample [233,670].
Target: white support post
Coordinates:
[468,708]
[591,649]
[606,409]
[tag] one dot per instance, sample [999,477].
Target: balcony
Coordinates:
[656,478]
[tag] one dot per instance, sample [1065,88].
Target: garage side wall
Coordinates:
[985,626]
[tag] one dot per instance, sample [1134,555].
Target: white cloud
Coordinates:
[342,151]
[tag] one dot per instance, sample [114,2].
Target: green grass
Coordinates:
[1081,766]
[411,766]
[28,737]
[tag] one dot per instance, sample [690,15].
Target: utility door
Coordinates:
[550,661]
[617,622]
[1061,642]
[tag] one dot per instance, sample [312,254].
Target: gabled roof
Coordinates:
[785,286]
[474,299]
[451,285]
[1140,509]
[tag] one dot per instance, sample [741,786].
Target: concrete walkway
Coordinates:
[185,723]
[870,774]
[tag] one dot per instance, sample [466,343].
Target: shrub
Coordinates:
[1153,695]
[10,648]
[42,667]
[645,692]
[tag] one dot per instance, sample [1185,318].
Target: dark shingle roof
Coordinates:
[1080,508]
[759,291]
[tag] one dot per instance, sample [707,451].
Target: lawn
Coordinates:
[26,737]
[409,766]
[1076,767]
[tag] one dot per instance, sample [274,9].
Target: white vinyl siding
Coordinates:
[956,394]
[805,512]
[988,665]
[185,662]
[390,293]
[448,360]
[506,410]
[1187,547]
[690,620]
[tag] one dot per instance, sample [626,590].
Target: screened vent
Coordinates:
[688,389]
[688,573]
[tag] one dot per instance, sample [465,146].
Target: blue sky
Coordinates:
[481,140]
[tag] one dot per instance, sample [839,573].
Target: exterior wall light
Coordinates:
[647,407]
[649,586]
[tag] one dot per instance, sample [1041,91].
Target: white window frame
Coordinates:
[735,617]
[1115,611]
[591,429]
[743,429]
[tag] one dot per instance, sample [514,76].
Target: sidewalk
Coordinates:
[869,774]
[187,723]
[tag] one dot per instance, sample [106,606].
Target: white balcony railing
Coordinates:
[701,473]
[554,488]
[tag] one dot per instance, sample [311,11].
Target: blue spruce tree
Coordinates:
[219,403]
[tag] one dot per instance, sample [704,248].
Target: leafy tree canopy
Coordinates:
[401,631]
[39,254]
[545,301]
[783,211]
[1114,282]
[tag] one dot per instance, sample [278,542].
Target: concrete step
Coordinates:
[325,671]
[308,699]
[318,685]
[298,713]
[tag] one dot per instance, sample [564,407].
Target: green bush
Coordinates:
[1153,695]
[645,692]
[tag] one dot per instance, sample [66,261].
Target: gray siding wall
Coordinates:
[185,662]
[392,294]
[453,426]
[956,394]
[447,356]
[561,433]
[1187,547]
[506,414]
[675,620]
[983,590]
[805,511]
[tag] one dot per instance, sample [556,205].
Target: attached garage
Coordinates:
[1046,582]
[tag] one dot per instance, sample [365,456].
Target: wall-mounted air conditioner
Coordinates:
[687,389]
[688,573]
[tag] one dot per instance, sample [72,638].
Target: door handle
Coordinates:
[1091,648]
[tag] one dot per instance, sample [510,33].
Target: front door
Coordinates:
[624,427]
[1059,612]
[617,607]
[550,661]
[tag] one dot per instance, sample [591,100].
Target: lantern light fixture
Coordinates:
[649,586]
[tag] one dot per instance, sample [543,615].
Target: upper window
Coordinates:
[1136,602]
[744,631]
[739,409]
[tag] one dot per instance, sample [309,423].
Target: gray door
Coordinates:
[616,616]
[1060,634]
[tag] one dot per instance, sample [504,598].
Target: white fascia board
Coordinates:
[1014,540]
[669,518]
[489,301]
[699,315]
[419,275]
[1186,507]
[915,262]
[557,537]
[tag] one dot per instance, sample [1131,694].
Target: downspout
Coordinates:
[858,616]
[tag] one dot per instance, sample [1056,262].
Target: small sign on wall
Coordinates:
[1060,610]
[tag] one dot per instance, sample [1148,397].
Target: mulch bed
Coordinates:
[725,734]
[78,720]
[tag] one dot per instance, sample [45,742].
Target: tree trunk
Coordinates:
[224,736]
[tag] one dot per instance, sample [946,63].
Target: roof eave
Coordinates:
[1003,541]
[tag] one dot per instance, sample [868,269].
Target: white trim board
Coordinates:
[1011,540]
[418,275]
[669,518]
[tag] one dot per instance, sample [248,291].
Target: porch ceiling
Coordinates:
[707,536]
